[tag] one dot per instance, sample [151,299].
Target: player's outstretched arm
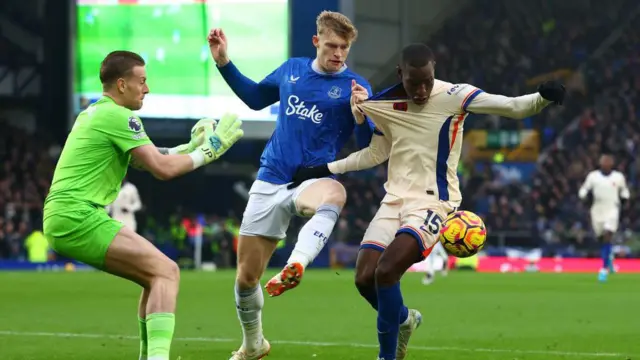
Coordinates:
[376,153]
[256,96]
[166,167]
[519,107]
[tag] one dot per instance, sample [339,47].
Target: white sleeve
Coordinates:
[586,187]
[624,190]
[519,107]
[375,154]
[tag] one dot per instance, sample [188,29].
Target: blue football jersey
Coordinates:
[314,118]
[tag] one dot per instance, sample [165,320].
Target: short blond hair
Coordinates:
[338,23]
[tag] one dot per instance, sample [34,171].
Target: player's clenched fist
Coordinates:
[218,46]
[552,91]
[358,95]
[218,141]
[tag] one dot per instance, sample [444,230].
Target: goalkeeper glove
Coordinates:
[198,129]
[197,137]
[314,172]
[217,142]
[552,91]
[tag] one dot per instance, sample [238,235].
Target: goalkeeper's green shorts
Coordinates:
[82,232]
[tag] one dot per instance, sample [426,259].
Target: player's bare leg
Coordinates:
[394,262]
[254,253]
[142,323]
[132,257]
[366,265]
[324,200]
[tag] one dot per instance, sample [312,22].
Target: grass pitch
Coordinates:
[90,315]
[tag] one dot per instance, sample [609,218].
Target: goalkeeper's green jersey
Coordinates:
[95,157]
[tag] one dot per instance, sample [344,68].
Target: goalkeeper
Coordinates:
[105,139]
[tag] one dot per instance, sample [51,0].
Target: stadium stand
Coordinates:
[607,122]
[509,58]
[25,175]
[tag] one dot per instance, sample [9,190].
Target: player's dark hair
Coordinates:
[416,55]
[118,64]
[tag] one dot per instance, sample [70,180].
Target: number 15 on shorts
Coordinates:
[432,223]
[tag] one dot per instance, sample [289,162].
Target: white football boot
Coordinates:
[260,353]
[406,330]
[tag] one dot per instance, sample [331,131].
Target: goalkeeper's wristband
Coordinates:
[178,150]
[198,158]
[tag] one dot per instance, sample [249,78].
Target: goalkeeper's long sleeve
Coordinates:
[257,96]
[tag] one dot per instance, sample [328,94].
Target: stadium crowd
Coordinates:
[532,40]
[25,174]
[607,122]
[509,57]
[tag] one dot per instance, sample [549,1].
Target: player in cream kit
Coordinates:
[126,205]
[419,124]
[607,187]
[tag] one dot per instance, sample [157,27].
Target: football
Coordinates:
[463,234]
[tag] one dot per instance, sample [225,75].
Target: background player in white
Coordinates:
[315,120]
[126,205]
[419,126]
[438,253]
[607,187]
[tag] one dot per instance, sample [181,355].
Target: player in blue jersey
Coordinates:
[314,122]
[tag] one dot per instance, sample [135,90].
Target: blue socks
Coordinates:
[372,298]
[606,255]
[404,314]
[390,309]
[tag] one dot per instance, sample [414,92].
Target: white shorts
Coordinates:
[270,208]
[604,221]
[421,219]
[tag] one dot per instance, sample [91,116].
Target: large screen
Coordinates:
[171,37]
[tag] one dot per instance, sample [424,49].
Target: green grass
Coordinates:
[172,38]
[467,316]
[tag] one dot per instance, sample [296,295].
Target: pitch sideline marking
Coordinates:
[319,344]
